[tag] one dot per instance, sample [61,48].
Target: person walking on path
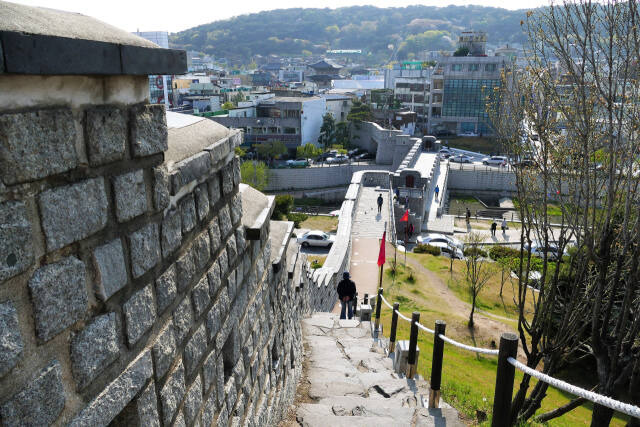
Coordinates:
[504,226]
[346,292]
[410,230]
[493,228]
[380,201]
[437,190]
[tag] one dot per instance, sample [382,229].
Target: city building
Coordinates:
[292,120]
[323,72]
[461,87]
[411,85]
[160,87]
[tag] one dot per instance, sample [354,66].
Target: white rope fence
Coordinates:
[468,347]
[599,399]
[624,408]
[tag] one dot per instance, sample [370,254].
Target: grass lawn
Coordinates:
[321,222]
[477,144]
[468,380]
[320,259]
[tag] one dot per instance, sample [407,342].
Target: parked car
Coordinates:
[444,132]
[445,153]
[365,156]
[440,238]
[524,163]
[538,249]
[298,163]
[495,161]
[355,152]
[316,238]
[324,156]
[461,158]
[340,158]
[468,134]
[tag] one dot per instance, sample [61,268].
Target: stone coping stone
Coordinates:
[256,211]
[280,236]
[188,138]
[45,41]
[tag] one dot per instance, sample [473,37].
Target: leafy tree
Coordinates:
[477,270]
[343,134]
[461,51]
[360,112]
[308,150]
[228,105]
[240,152]
[283,206]
[270,150]
[327,131]
[587,308]
[255,174]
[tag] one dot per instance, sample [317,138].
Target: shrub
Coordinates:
[297,218]
[475,251]
[426,249]
[316,264]
[498,251]
[284,203]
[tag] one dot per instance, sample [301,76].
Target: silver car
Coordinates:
[316,238]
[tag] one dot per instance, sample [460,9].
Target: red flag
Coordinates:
[405,217]
[381,255]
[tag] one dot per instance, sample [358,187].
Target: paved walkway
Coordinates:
[367,221]
[351,381]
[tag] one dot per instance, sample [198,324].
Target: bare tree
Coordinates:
[477,268]
[575,110]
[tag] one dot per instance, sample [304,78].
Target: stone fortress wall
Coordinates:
[132,289]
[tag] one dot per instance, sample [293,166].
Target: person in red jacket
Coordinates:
[346,293]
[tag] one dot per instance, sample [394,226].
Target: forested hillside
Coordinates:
[372,29]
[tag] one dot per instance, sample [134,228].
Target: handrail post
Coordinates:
[366,299]
[378,307]
[504,380]
[436,364]
[394,326]
[355,303]
[412,363]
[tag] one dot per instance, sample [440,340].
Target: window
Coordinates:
[456,67]
[342,115]
[474,67]
[490,67]
[273,129]
[290,131]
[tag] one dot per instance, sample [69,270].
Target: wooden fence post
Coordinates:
[436,364]
[412,363]
[504,380]
[378,307]
[394,326]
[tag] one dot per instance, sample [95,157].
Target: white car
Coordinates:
[538,249]
[445,153]
[468,134]
[495,161]
[460,158]
[316,238]
[440,238]
[340,158]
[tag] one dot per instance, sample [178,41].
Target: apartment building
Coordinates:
[293,120]
[462,88]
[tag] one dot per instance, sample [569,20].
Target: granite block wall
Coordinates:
[130,293]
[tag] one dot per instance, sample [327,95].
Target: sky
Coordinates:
[173,16]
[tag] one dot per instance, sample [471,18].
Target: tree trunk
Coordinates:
[601,416]
[561,410]
[473,307]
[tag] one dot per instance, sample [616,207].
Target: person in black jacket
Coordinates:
[346,293]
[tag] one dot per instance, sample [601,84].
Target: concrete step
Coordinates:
[371,412]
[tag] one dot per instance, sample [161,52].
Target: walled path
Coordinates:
[352,383]
[367,230]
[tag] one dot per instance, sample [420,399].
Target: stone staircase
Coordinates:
[352,382]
